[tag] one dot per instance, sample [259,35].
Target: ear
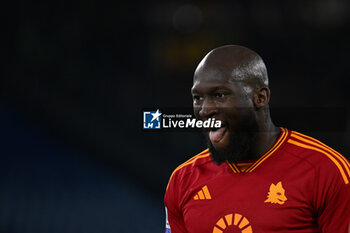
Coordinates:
[279,185]
[272,187]
[261,97]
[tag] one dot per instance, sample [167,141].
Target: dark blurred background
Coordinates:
[77,75]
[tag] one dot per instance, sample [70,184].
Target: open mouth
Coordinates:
[216,135]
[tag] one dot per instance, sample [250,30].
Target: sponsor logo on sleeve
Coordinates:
[167,225]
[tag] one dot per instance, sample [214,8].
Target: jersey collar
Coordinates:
[255,164]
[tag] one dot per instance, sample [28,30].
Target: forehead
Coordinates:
[208,78]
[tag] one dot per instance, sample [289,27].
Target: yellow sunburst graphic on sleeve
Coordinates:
[277,194]
[236,220]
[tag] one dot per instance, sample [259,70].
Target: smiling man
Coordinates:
[254,176]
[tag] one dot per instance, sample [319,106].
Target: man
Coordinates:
[255,177]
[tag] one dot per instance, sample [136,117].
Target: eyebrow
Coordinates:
[211,89]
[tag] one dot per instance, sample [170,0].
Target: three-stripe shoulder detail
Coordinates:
[203,154]
[310,143]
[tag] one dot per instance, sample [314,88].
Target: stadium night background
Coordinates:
[74,156]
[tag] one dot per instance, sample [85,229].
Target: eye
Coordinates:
[197,98]
[219,95]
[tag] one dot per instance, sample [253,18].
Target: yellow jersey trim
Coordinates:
[323,152]
[315,142]
[243,166]
[239,167]
[233,167]
[334,156]
[203,154]
[277,144]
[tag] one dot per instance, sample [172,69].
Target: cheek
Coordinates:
[242,99]
[238,118]
[231,113]
[196,112]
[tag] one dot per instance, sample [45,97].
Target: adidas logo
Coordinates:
[203,194]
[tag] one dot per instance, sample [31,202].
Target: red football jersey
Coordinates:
[299,185]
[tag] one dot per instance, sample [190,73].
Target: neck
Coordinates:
[264,139]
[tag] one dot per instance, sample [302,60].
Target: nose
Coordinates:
[208,109]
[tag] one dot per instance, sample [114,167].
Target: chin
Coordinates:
[241,138]
[237,149]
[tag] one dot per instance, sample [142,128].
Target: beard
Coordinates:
[240,142]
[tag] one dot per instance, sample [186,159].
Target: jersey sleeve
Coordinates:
[174,218]
[333,202]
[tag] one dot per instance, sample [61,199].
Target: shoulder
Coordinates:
[190,166]
[321,157]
